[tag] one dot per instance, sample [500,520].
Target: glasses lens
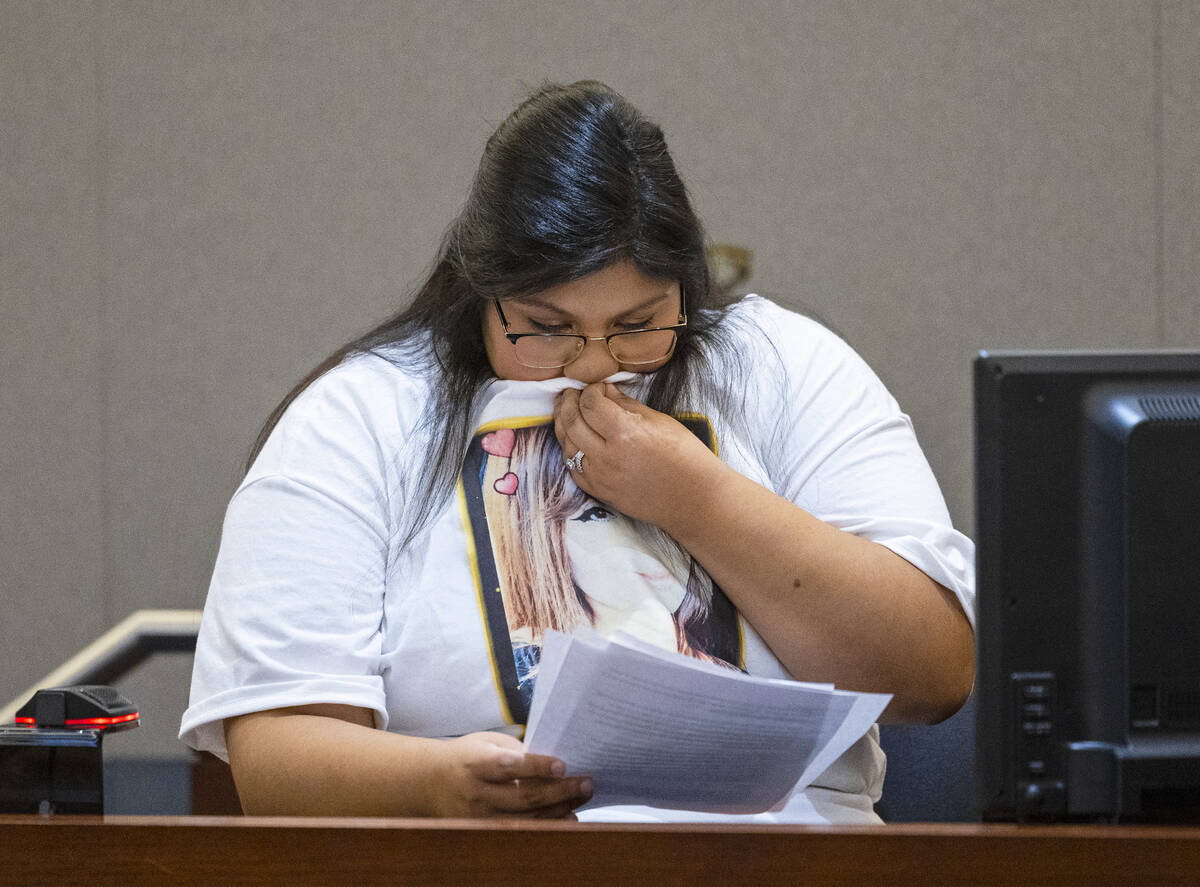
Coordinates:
[546,352]
[643,346]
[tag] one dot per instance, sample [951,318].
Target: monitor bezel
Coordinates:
[1003,380]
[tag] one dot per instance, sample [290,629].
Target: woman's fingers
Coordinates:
[516,764]
[602,413]
[540,795]
[611,413]
[635,458]
[573,433]
[568,417]
[507,781]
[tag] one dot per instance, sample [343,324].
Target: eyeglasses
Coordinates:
[546,351]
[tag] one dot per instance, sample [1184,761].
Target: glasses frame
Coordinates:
[514,337]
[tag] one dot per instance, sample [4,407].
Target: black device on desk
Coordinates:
[51,758]
[1088,545]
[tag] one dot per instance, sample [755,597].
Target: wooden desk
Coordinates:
[226,851]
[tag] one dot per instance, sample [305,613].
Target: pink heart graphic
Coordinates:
[506,485]
[499,442]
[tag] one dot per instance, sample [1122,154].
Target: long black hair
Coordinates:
[573,181]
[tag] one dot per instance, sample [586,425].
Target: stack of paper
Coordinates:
[662,729]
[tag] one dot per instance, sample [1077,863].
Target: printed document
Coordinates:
[657,728]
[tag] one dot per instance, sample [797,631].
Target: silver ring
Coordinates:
[575,463]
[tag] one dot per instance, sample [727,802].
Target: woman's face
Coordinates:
[611,565]
[615,299]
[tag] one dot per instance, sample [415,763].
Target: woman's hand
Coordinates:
[489,774]
[635,458]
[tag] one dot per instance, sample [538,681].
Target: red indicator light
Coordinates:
[84,722]
[101,722]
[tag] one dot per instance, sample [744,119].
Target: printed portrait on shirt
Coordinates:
[549,556]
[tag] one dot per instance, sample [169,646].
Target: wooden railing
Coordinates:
[227,851]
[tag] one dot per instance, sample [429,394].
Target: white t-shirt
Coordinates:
[313,600]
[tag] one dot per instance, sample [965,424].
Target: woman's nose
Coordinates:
[595,362]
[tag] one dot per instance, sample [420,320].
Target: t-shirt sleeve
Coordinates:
[844,451]
[295,607]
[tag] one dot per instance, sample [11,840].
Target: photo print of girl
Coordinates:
[549,556]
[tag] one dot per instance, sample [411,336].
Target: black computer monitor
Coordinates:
[1088,542]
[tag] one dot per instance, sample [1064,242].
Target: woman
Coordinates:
[345,635]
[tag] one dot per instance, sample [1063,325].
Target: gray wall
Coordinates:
[199,200]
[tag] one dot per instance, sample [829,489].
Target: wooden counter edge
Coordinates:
[249,850]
